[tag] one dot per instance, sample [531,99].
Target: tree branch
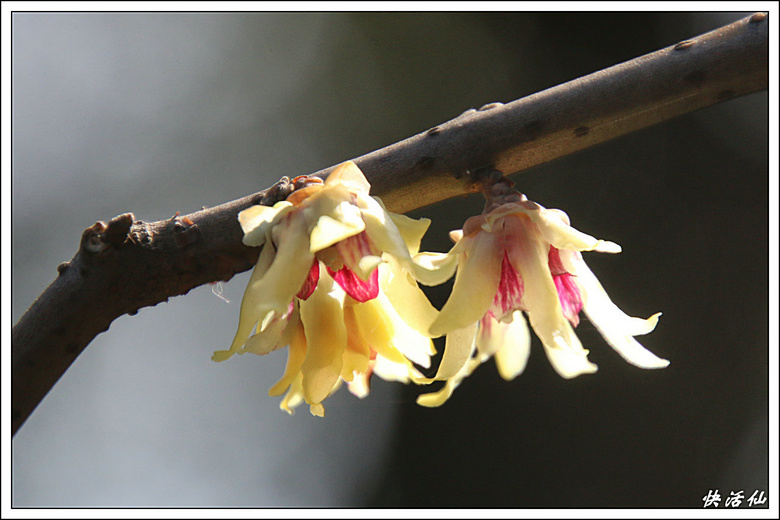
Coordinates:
[128,264]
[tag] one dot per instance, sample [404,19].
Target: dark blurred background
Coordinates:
[162,112]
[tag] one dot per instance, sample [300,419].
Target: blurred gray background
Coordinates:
[156,113]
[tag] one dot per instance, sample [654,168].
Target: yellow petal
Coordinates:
[367,264]
[476,283]
[349,175]
[458,348]
[269,339]
[255,221]
[617,328]
[296,354]
[317,410]
[328,230]
[392,371]
[407,298]
[360,385]
[249,315]
[557,232]
[382,230]
[568,362]
[435,399]
[412,230]
[433,269]
[510,344]
[326,338]
[528,253]
[376,326]
[412,344]
[358,353]
[597,303]
[294,396]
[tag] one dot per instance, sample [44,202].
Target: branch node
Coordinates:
[278,192]
[683,45]
[490,106]
[141,233]
[185,232]
[118,229]
[91,241]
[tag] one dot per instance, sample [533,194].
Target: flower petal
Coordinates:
[296,354]
[412,230]
[509,343]
[311,281]
[458,348]
[529,254]
[328,231]
[556,230]
[255,221]
[326,338]
[348,174]
[359,254]
[596,302]
[294,396]
[377,327]
[269,286]
[274,336]
[360,386]
[476,283]
[435,399]
[382,230]
[406,297]
[617,328]
[392,371]
[356,288]
[433,269]
[568,362]
[411,343]
[357,355]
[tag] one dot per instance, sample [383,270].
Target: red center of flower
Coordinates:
[510,290]
[358,289]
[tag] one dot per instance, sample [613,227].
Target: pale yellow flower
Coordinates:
[520,257]
[336,282]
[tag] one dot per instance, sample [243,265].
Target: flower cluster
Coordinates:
[337,282]
[518,257]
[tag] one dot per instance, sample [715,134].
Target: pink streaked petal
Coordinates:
[311,281]
[353,249]
[359,290]
[510,290]
[568,291]
[555,263]
[569,296]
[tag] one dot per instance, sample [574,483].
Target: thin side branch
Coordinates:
[128,264]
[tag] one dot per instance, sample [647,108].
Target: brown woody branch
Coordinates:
[128,264]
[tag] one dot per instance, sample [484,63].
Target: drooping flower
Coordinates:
[336,282]
[518,257]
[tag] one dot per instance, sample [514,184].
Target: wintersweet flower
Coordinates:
[336,282]
[519,257]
